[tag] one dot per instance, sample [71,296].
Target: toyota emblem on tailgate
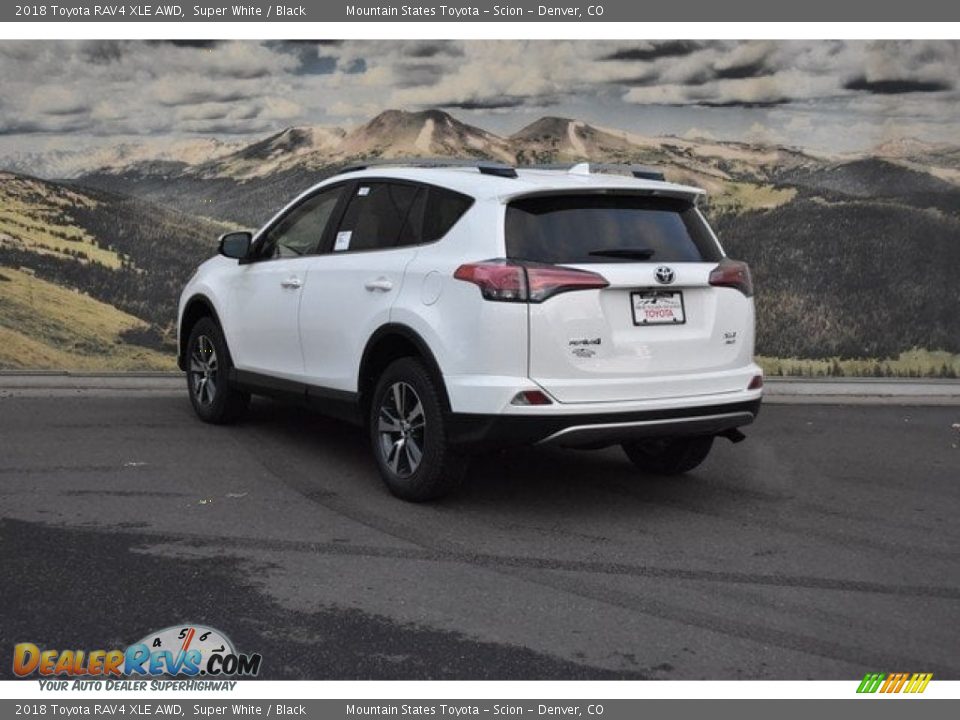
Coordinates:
[664,275]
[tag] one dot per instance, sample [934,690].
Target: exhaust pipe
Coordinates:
[733,435]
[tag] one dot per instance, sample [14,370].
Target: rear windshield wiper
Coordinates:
[632,253]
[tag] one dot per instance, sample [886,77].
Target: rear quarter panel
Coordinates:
[469,336]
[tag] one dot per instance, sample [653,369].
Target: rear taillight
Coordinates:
[546,281]
[513,281]
[497,280]
[734,274]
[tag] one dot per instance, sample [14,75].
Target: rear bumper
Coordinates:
[597,430]
[492,394]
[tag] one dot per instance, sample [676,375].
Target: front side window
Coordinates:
[302,229]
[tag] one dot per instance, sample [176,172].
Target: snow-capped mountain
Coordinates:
[247,182]
[272,154]
[397,133]
[435,133]
[72,163]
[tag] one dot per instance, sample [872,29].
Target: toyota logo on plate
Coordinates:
[664,275]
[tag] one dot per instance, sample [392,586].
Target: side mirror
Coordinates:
[235,245]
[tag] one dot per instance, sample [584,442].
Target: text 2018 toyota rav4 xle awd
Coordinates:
[450,308]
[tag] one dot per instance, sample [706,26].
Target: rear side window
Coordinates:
[375,216]
[606,229]
[435,211]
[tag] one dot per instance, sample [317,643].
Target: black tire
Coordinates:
[668,456]
[410,444]
[208,371]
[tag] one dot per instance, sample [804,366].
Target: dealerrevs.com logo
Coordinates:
[179,650]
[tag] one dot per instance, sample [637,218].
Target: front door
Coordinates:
[266,293]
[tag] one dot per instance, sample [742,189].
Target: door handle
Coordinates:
[381,283]
[294,283]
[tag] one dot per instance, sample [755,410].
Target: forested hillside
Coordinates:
[122,252]
[850,278]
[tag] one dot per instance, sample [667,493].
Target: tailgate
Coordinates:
[659,329]
[589,346]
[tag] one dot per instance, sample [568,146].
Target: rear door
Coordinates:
[352,285]
[659,329]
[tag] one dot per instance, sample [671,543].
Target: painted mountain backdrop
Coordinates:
[856,256]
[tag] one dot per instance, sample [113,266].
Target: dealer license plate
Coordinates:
[657,307]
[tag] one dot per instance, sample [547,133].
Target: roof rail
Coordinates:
[641,172]
[486,167]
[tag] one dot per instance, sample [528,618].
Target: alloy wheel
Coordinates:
[401,426]
[203,371]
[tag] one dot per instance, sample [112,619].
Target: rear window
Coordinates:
[607,229]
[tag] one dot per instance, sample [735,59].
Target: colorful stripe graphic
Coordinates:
[894,682]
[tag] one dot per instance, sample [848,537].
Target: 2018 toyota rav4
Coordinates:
[451,308]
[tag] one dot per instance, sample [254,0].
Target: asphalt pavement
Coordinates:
[825,546]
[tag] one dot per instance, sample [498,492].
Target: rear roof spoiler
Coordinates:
[641,172]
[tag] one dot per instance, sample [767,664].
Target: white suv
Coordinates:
[450,308]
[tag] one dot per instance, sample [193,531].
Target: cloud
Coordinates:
[108,111]
[696,133]
[18,125]
[102,52]
[763,135]
[208,111]
[56,100]
[263,109]
[896,87]
[173,87]
[351,109]
[418,74]
[21,50]
[765,91]
[432,48]
[202,44]
[739,72]
[171,92]
[758,74]
[245,61]
[312,56]
[279,108]
[655,50]
[747,60]
[491,103]
[481,75]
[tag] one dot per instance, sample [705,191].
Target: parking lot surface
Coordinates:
[825,546]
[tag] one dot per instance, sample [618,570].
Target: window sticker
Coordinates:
[363,192]
[343,241]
